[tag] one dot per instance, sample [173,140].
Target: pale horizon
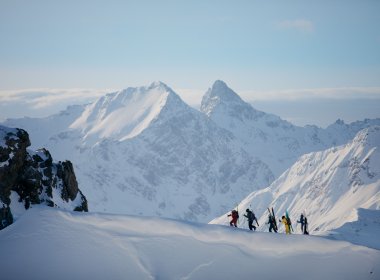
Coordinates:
[298,106]
[278,56]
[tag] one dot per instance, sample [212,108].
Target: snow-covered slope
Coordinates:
[40,129]
[181,165]
[52,244]
[329,186]
[275,141]
[144,151]
[125,114]
[363,231]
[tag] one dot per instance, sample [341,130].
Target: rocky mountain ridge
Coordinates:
[31,177]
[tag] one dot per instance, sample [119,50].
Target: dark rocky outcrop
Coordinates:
[34,177]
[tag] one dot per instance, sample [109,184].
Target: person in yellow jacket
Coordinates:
[286,224]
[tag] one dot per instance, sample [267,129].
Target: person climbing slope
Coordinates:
[251,217]
[286,224]
[272,221]
[303,222]
[234,217]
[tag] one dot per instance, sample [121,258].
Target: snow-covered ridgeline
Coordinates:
[329,186]
[54,244]
[144,151]
[124,114]
[273,140]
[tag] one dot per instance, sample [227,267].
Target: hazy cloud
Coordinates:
[302,25]
[192,97]
[43,102]
[349,93]
[40,98]
[300,106]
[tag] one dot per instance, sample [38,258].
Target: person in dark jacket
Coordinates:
[272,223]
[251,217]
[303,222]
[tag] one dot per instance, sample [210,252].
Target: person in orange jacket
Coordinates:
[286,224]
[234,217]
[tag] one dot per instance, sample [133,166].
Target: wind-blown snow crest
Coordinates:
[124,114]
[55,244]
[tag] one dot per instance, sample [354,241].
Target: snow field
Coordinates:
[47,243]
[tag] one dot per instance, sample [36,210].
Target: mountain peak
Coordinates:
[218,94]
[369,136]
[160,85]
[222,91]
[339,122]
[127,113]
[219,84]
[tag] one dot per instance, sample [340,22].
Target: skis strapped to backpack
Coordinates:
[257,221]
[237,212]
[273,217]
[306,223]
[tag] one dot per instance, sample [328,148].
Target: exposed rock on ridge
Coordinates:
[34,177]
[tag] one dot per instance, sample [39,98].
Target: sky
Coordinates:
[268,50]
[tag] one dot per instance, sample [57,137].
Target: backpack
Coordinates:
[272,220]
[235,213]
[251,216]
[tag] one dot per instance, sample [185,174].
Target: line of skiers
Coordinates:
[285,220]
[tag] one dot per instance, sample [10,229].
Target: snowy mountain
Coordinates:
[40,129]
[30,177]
[276,142]
[333,187]
[125,114]
[53,244]
[144,151]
